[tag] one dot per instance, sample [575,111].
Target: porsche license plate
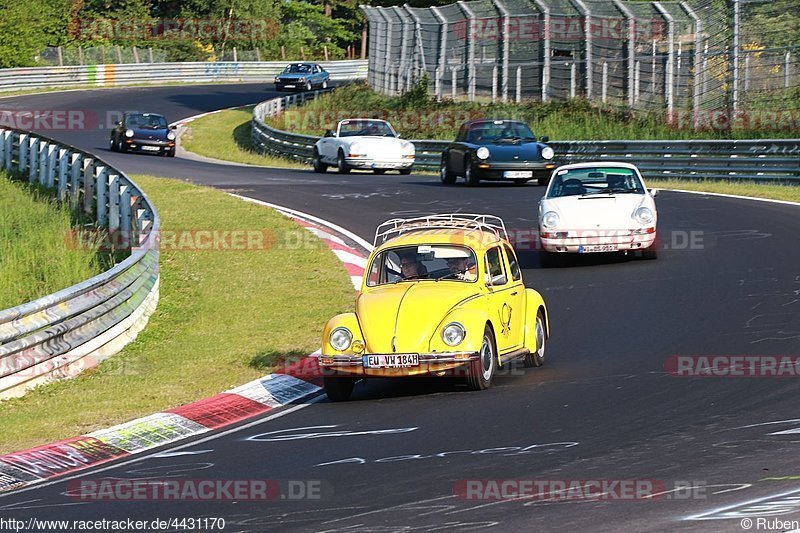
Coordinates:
[382,165]
[151,148]
[598,248]
[518,174]
[396,360]
[289,86]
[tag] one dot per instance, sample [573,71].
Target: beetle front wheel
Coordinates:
[338,389]
[481,372]
[537,358]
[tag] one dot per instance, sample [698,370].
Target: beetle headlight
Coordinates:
[550,219]
[453,334]
[482,153]
[341,338]
[548,152]
[128,133]
[643,215]
[171,136]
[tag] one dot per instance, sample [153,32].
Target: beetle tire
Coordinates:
[536,359]
[338,389]
[480,376]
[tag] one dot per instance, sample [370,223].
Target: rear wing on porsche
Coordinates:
[469,222]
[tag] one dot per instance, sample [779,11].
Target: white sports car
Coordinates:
[597,207]
[365,144]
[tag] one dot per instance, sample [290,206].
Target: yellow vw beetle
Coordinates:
[441,293]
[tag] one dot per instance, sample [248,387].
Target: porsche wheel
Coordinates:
[342,164]
[470,176]
[121,146]
[650,253]
[405,171]
[338,389]
[481,372]
[319,166]
[447,177]
[535,359]
[379,171]
[113,144]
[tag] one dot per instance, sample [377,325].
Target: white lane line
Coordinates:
[769,200]
[363,243]
[138,458]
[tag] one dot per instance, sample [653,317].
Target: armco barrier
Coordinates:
[17,79]
[59,335]
[763,160]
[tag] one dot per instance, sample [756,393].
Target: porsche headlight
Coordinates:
[550,219]
[453,334]
[482,153]
[302,80]
[355,150]
[171,136]
[643,215]
[341,338]
[547,152]
[129,133]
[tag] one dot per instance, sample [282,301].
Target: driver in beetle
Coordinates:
[460,268]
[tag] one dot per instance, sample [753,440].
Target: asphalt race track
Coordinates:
[727,282]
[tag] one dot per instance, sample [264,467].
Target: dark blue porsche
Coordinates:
[302,77]
[504,150]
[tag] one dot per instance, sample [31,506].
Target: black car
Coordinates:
[302,76]
[503,150]
[143,132]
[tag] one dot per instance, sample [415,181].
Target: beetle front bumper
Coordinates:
[440,363]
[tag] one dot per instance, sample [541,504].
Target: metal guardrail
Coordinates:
[762,160]
[16,79]
[59,335]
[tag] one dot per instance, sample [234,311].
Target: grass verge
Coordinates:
[418,116]
[36,255]
[223,318]
[226,135]
[789,193]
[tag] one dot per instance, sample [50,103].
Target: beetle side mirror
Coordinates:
[399,136]
[653,192]
[329,133]
[544,139]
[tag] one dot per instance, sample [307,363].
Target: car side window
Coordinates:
[494,266]
[513,264]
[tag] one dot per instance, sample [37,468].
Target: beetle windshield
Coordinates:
[297,69]
[499,131]
[145,121]
[595,180]
[424,262]
[374,128]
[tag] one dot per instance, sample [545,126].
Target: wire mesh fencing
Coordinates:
[702,62]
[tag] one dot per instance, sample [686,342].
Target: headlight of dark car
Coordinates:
[547,152]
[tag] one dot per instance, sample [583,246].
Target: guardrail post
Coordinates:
[8,142]
[3,147]
[22,164]
[52,161]
[44,146]
[88,185]
[76,165]
[101,181]
[113,206]
[33,151]
[125,215]
[63,158]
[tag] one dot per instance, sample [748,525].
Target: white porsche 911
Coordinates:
[597,207]
[364,144]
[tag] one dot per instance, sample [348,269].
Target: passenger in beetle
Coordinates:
[412,268]
[460,268]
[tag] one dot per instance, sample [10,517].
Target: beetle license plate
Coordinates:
[395,360]
[151,148]
[598,248]
[518,174]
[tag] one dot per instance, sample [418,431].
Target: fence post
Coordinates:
[604,91]
[119,54]
[80,55]
[746,73]
[506,47]
[631,48]
[33,151]
[786,66]
[443,28]
[494,84]
[573,79]
[387,60]
[150,55]
[735,57]
[670,57]
[76,164]
[101,184]
[637,71]
[697,80]
[587,46]
[519,84]
[437,84]
[60,57]
[470,50]
[402,68]
[88,185]
[545,10]
[454,81]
